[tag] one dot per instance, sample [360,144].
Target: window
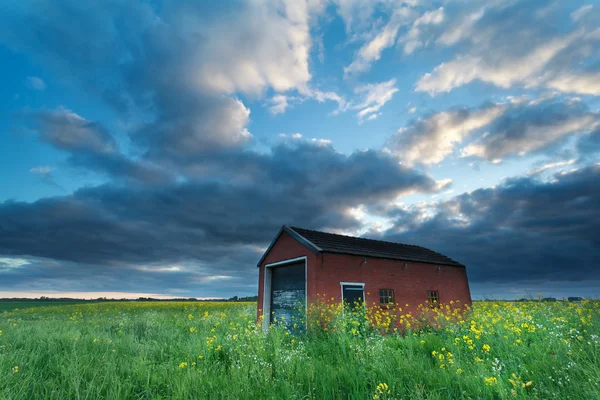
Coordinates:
[386,296]
[433,297]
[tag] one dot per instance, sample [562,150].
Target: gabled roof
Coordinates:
[341,244]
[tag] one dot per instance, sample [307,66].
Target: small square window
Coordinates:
[433,297]
[386,296]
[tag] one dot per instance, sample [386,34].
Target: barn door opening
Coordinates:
[353,294]
[285,293]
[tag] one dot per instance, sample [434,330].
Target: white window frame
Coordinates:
[267,287]
[342,284]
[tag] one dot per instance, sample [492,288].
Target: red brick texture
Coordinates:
[410,284]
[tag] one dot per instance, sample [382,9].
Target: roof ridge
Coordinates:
[358,237]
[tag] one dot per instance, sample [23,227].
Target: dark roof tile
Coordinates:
[334,243]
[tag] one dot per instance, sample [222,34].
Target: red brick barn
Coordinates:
[301,263]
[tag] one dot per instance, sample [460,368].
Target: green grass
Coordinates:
[151,351]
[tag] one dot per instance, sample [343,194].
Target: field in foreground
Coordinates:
[215,350]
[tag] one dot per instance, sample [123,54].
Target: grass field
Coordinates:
[215,350]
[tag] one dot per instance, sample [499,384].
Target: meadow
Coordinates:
[500,350]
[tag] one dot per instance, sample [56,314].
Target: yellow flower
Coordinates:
[15,369]
[192,330]
[491,381]
[486,347]
[383,388]
[201,356]
[183,364]
[219,347]
[459,371]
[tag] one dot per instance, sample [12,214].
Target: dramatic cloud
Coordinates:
[523,130]
[91,146]
[217,228]
[430,139]
[492,131]
[498,54]
[175,72]
[524,229]
[176,109]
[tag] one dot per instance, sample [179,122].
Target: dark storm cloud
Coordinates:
[524,229]
[91,146]
[216,228]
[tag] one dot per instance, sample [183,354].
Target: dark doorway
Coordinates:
[288,294]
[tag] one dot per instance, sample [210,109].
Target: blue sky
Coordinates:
[156,147]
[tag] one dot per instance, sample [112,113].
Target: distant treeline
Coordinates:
[100,299]
[542,299]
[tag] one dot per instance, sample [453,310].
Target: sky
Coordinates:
[156,147]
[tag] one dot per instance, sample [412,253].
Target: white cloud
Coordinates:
[269,47]
[503,71]
[372,50]
[577,82]
[6,262]
[430,139]
[375,97]
[279,104]
[461,30]
[551,165]
[36,83]
[581,11]
[413,39]
[43,170]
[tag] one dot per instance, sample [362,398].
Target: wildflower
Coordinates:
[183,364]
[218,348]
[190,316]
[491,381]
[486,347]
[383,388]
[15,369]
[201,356]
[192,330]
[459,371]
[524,385]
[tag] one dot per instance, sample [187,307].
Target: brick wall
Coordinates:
[410,284]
